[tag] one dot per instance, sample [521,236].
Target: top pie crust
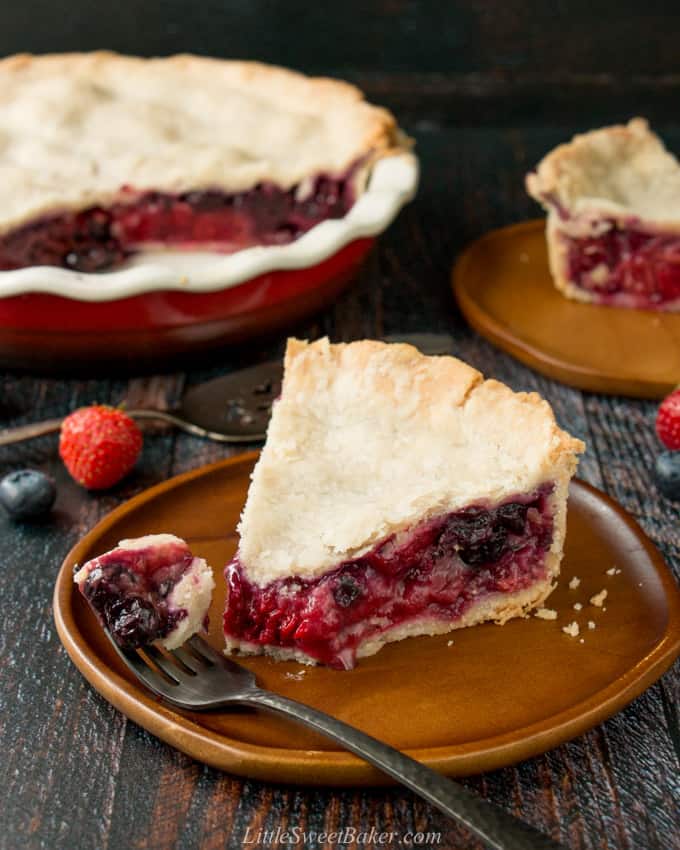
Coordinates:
[78,128]
[369,438]
[619,172]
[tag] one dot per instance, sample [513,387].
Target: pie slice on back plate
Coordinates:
[613,202]
[396,495]
[104,156]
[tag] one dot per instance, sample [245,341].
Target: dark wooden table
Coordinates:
[75,773]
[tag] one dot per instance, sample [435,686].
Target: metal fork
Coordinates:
[198,678]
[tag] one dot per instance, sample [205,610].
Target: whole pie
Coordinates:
[103,156]
[613,202]
[148,589]
[397,495]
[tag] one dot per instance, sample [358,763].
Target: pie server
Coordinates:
[232,409]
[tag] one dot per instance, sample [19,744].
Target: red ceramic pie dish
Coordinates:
[43,331]
[171,303]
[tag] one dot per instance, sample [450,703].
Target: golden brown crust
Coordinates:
[79,126]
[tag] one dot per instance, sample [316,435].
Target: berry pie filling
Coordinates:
[147,589]
[102,238]
[625,266]
[433,572]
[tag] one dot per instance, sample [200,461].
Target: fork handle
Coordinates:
[29,432]
[498,829]
[51,426]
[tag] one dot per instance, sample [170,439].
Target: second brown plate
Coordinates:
[493,697]
[505,291]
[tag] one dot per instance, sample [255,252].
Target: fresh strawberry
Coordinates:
[99,445]
[668,421]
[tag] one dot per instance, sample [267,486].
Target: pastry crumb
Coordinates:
[591,624]
[545,614]
[577,606]
[613,571]
[581,640]
[598,599]
[297,677]
[574,583]
[572,629]
[449,643]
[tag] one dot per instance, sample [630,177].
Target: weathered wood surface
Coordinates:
[74,772]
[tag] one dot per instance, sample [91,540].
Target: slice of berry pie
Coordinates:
[104,156]
[148,589]
[613,202]
[396,495]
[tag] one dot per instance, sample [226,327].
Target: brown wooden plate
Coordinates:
[505,291]
[495,696]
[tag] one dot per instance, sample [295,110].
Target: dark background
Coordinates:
[481,61]
[486,88]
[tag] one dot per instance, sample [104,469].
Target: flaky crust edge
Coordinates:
[553,174]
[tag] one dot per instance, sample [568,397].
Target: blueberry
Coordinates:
[469,528]
[99,226]
[464,530]
[513,516]
[133,622]
[206,201]
[485,551]
[477,536]
[346,591]
[667,472]
[27,493]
